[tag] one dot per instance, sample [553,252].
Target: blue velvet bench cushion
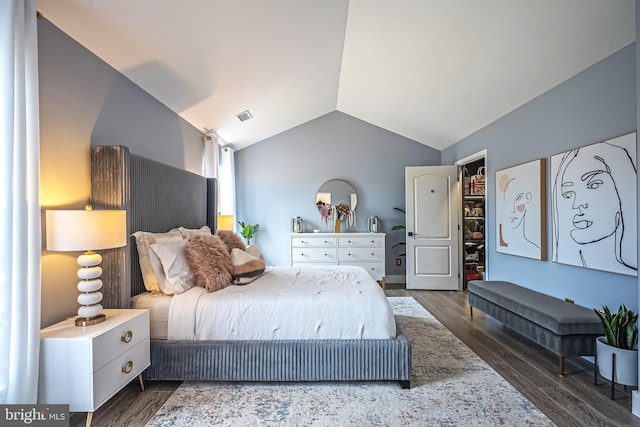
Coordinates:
[562,327]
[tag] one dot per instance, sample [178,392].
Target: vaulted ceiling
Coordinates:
[434,71]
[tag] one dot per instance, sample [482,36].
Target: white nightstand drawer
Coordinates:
[119,339]
[361,254]
[81,366]
[314,254]
[111,378]
[320,241]
[361,241]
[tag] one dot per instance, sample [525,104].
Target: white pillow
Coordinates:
[178,275]
[150,265]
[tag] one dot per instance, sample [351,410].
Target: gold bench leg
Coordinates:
[141,381]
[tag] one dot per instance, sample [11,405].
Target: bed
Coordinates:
[157,198]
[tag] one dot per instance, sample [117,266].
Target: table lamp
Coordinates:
[225,222]
[87,230]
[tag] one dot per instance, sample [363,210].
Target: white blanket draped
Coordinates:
[319,302]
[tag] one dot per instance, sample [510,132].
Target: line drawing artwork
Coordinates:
[519,210]
[594,206]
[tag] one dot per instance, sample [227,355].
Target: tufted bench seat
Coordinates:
[559,326]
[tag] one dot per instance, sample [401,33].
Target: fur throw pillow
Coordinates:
[231,240]
[209,261]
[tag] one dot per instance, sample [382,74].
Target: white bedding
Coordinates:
[319,302]
[158,305]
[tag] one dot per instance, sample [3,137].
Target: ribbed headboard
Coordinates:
[157,198]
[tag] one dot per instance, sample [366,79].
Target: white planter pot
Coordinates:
[626,363]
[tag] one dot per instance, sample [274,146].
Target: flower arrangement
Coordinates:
[341,212]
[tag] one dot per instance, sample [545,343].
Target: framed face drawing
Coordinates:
[521,210]
[594,192]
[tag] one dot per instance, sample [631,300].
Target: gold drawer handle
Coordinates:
[127,337]
[128,367]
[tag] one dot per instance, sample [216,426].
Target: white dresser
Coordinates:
[363,249]
[85,366]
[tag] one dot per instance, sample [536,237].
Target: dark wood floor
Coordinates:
[572,400]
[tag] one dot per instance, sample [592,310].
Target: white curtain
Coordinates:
[219,162]
[210,157]
[227,182]
[19,204]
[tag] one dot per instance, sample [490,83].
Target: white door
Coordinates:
[432,202]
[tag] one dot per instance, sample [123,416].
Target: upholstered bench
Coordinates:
[559,326]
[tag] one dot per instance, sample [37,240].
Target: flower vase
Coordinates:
[336,226]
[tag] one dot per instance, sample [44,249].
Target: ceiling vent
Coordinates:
[245,115]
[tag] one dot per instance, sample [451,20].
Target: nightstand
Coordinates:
[85,366]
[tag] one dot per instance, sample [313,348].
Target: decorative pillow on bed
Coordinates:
[150,264]
[179,277]
[186,232]
[247,265]
[231,240]
[209,261]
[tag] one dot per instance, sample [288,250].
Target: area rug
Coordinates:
[450,386]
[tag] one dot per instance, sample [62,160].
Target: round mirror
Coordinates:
[335,192]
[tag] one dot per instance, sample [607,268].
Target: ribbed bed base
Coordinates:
[310,360]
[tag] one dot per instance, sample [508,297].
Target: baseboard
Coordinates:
[635,403]
[396,278]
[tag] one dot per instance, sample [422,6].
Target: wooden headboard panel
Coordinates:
[157,198]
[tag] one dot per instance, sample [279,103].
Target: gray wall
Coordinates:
[595,105]
[277,179]
[84,102]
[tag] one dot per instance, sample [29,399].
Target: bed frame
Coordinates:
[157,198]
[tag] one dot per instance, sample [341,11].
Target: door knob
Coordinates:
[410,233]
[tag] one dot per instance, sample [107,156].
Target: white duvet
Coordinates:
[293,303]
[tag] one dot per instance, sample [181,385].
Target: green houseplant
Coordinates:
[621,339]
[248,231]
[620,328]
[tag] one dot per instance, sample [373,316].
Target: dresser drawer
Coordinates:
[348,255]
[111,378]
[319,241]
[119,339]
[310,254]
[375,269]
[361,241]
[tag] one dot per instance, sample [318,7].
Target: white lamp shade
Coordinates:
[80,230]
[225,222]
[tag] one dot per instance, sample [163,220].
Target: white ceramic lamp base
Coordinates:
[90,311]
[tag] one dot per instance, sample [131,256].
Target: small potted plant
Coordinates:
[248,231]
[621,329]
